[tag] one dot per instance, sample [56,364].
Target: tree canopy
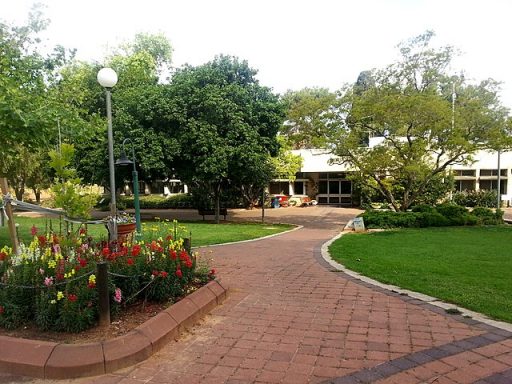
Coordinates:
[226,124]
[310,114]
[423,131]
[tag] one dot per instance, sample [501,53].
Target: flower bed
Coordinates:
[52,281]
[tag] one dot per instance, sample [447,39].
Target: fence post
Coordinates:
[8,210]
[187,244]
[103,298]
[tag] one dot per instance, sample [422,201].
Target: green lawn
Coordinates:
[468,266]
[202,233]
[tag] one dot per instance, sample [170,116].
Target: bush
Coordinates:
[486,216]
[428,216]
[181,200]
[389,219]
[480,198]
[52,281]
[423,208]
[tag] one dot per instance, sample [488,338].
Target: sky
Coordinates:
[292,43]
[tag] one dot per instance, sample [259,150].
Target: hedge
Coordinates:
[428,216]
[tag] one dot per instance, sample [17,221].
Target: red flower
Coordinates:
[72,297]
[135,250]
[33,230]
[42,240]
[91,285]
[77,268]
[83,231]
[82,262]
[183,255]
[105,251]
[168,238]
[2,310]
[55,239]
[3,256]
[179,273]
[155,272]
[173,254]
[163,274]
[213,271]
[188,263]
[129,261]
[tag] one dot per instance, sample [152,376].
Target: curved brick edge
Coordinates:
[50,360]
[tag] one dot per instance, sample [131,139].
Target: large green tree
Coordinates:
[30,106]
[409,106]
[310,114]
[226,125]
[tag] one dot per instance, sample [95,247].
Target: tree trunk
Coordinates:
[217,204]
[37,193]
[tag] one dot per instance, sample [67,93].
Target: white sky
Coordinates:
[293,43]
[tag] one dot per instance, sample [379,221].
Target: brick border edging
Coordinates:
[49,360]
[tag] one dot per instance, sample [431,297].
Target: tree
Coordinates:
[226,125]
[409,107]
[309,117]
[139,106]
[29,105]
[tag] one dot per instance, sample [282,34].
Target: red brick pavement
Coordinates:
[290,319]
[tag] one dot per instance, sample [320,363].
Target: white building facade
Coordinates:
[327,183]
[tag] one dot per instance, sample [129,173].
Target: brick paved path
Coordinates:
[291,319]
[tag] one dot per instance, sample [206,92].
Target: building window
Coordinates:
[465,185]
[322,187]
[279,188]
[299,188]
[464,172]
[491,185]
[492,172]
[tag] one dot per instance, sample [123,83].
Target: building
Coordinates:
[327,183]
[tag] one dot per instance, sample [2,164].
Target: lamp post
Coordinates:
[107,78]
[125,161]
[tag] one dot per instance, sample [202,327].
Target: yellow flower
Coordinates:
[60,295]
[52,264]
[92,279]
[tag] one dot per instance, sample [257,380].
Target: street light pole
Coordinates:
[107,78]
[135,176]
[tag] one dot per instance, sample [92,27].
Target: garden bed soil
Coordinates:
[134,315]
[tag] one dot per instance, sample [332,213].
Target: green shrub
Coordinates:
[480,198]
[456,214]
[428,216]
[389,219]
[181,200]
[486,216]
[423,208]
[433,219]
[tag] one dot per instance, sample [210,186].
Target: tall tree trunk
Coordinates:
[217,204]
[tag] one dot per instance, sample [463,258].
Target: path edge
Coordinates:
[464,312]
[50,360]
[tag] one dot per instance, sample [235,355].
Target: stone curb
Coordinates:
[415,295]
[48,360]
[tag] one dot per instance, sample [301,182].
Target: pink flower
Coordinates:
[117,295]
[48,281]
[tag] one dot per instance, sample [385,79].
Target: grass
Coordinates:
[467,266]
[202,233]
